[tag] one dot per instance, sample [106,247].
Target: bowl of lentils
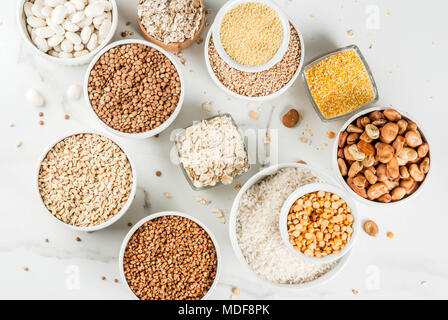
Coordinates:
[134,88]
[86,181]
[169,256]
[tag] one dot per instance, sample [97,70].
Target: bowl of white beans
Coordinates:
[67,32]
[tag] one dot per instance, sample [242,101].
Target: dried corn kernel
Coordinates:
[251,33]
[340,84]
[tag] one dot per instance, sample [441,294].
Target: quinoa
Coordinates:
[258,233]
[258,84]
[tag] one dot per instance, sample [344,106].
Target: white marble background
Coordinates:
[409,60]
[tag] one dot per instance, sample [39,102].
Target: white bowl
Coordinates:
[261,98]
[162,214]
[344,183]
[309,188]
[216,27]
[233,224]
[146,134]
[114,218]
[64,61]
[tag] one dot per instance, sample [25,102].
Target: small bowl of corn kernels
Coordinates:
[340,83]
[319,223]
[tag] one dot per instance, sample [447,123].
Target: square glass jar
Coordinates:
[329,54]
[184,171]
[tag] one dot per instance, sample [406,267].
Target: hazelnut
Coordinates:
[291,118]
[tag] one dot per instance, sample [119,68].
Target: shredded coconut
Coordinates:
[258,232]
[212,151]
[170,20]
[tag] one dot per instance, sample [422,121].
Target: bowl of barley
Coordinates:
[85,181]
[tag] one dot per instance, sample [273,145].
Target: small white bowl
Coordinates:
[146,134]
[216,27]
[162,214]
[233,225]
[64,61]
[261,98]
[341,179]
[114,218]
[309,188]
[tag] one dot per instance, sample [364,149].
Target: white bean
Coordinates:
[86,33]
[45,32]
[78,47]
[34,98]
[77,17]
[36,22]
[104,29]
[41,44]
[67,46]
[46,11]
[66,55]
[53,53]
[54,3]
[36,10]
[74,92]
[94,10]
[106,4]
[97,21]
[73,37]
[79,5]
[58,14]
[27,9]
[93,42]
[58,48]
[58,29]
[80,53]
[55,40]
[69,26]
[70,7]
[87,21]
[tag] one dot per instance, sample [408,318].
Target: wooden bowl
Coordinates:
[175,46]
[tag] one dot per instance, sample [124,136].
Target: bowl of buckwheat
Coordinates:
[86,181]
[319,223]
[134,88]
[170,256]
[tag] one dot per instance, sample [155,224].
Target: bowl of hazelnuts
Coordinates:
[382,156]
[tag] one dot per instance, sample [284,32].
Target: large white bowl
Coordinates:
[310,188]
[114,218]
[162,214]
[216,28]
[341,179]
[64,61]
[146,134]
[263,98]
[234,240]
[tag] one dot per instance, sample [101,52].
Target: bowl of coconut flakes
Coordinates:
[255,235]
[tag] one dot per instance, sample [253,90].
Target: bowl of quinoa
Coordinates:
[255,234]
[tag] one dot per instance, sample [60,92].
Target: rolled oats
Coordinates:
[212,151]
[170,20]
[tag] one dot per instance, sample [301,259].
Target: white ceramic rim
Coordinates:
[284,21]
[309,188]
[342,180]
[162,214]
[261,98]
[234,241]
[65,61]
[114,218]
[146,134]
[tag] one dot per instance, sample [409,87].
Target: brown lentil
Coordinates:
[66,117]
[134,88]
[158,173]
[170,258]
[257,84]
